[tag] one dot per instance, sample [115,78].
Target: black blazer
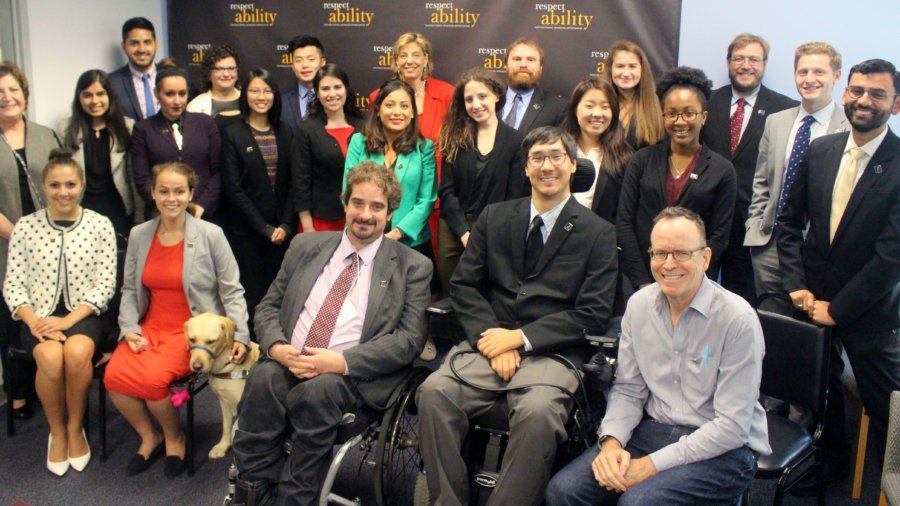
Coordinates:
[544,109]
[570,292]
[123,86]
[716,135]
[251,201]
[606,196]
[504,178]
[858,272]
[317,166]
[710,192]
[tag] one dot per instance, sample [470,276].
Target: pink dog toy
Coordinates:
[179,398]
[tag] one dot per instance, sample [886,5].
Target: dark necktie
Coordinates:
[737,121]
[512,115]
[534,245]
[801,143]
[322,327]
[310,99]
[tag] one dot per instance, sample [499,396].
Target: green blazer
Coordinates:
[418,185]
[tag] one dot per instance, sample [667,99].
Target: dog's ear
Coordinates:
[187,343]
[227,328]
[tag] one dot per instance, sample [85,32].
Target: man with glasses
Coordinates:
[839,246]
[683,424]
[537,274]
[737,115]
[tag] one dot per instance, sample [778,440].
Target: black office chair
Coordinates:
[795,371]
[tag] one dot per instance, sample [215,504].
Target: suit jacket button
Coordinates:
[523,293]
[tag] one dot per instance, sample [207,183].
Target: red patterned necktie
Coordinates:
[322,327]
[737,121]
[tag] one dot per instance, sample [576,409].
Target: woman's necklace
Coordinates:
[676,173]
[421,88]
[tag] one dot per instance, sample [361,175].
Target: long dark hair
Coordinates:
[350,109]
[616,152]
[407,141]
[458,129]
[80,123]
[274,114]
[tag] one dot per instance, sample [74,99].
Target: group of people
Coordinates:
[320,226]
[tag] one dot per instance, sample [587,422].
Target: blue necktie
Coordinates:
[801,144]
[148,96]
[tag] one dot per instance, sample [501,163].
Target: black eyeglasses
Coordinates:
[660,255]
[537,159]
[876,94]
[671,116]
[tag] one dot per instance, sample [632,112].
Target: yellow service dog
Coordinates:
[210,338]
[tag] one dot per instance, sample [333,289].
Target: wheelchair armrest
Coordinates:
[440,307]
[609,339]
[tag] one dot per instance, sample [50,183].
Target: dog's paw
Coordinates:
[219,451]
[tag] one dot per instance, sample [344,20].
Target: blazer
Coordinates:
[858,271]
[290,108]
[120,160]
[317,167]
[570,292]
[48,261]
[152,143]
[39,141]
[504,178]
[709,192]
[770,171]
[607,188]
[251,202]
[438,96]
[394,327]
[716,134]
[203,103]
[418,185]
[123,86]
[209,276]
[544,109]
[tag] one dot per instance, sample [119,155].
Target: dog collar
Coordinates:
[201,347]
[235,375]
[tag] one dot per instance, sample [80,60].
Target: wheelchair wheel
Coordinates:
[396,452]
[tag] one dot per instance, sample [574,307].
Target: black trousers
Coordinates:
[258,260]
[275,405]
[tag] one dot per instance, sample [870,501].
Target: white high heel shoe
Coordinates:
[79,463]
[57,468]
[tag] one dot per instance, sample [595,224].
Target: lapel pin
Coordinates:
[249,149]
[399,166]
[694,176]
[536,106]
[568,226]
[383,284]
[190,245]
[877,169]
[761,112]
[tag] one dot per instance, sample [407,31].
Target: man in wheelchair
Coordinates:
[536,274]
[341,323]
[683,424]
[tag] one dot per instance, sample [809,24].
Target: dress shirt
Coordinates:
[348,329]
[525,97]
[703,372]
[549,218]
[304,97]
[586,198]
[748,107]
[818,128]
[137,78]
[868,148]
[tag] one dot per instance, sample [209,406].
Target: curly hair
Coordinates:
[212,56]
[685,78]
[384,178]
[458,129]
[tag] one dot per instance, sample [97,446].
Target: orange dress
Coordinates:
[147,374]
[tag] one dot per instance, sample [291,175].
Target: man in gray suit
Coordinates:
[340,324]
[817,68]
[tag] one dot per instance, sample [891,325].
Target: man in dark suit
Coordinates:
[340,324]
[536,274]
[845,269]
[737,115]
[135,83]
[528,106]
[307,57]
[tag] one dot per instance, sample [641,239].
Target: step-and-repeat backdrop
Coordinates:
[358,34]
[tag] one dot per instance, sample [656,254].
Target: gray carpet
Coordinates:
[24,478]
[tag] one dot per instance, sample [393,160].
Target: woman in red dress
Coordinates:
[176,266]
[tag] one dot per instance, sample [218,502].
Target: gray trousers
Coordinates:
[767,275]
[537,417]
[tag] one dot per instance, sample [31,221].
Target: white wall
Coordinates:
[67,37]
[858,29]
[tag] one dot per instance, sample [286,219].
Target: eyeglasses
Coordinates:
[876,94]
[739,60]
[671,116]
[537,160]
[230,70]
[660,255]
[257,92]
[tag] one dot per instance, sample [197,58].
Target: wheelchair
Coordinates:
[484,446]
[388,442]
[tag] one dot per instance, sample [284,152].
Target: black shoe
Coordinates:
[833,477]
[174,466]
[254,493]
[139,463]
[24,412]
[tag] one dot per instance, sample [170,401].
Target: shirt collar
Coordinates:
[511,95]
[751,98]
[304,91]
[366,254]
[140,75]
[868,148]
[702,301]
[549,218]
[821,116]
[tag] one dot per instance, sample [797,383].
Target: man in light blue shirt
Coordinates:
[683,424]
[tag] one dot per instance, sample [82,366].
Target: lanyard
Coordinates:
[24,167]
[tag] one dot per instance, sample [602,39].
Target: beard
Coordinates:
[744,88]
[878,118]
[523,82]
